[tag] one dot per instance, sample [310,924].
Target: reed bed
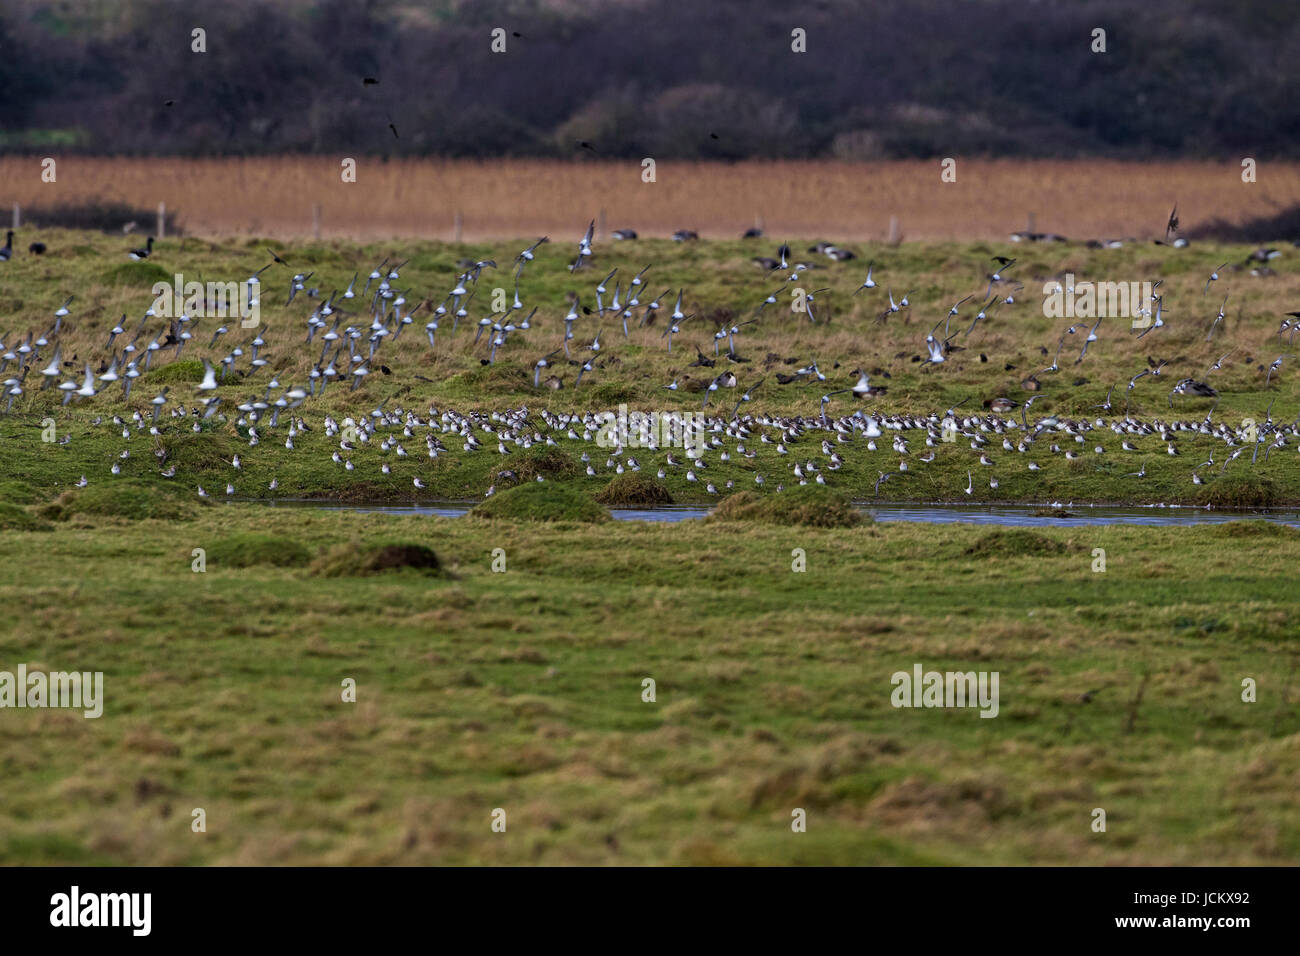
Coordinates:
[275,196]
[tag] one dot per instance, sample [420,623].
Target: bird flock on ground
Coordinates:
[349,332]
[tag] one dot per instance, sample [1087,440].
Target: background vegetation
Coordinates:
[710,81]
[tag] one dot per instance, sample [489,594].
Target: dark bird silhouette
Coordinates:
[702,360]
[369,81]
[1173,222]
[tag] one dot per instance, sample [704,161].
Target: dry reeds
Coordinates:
[275,196]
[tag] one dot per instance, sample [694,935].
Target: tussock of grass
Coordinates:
[121,499]
[138,274]
[200,452]
[1255,529]
[185,370]
[1240,491]
[608,394]
[550,463]
[356,560]
[15,518]
[500,378]
[634,489]
[814,507]
[247,550]
[1014,542]
[541,501]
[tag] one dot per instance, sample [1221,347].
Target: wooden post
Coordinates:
[894,235]
[17,216]
[758,221]
[601,234]
[315,220]
[457,227]
[162,220]
[1030,226]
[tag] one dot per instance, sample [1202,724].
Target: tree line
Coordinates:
[720,79]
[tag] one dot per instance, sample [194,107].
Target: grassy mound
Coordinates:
[1014,542]
[541,501]
[608,394]
[18,493]
[185,370]
[1255,529]
[140,275]
[121,499]
[498,379]
[812,506]
[356,560]
[247,550]
[550,463]
[632,489]
[14,518]
[201,452]
[1240,491]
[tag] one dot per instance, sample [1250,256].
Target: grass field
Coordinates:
[499,200]
[522,691]
[520,687]
[722,287]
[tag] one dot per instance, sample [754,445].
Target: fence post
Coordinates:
[601,232]
[457,227]
[162,220]
[893,229]
[17,216]
[315,220]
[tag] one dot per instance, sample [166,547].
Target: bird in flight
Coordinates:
[1214,277]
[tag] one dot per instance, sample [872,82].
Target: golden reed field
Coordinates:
[274,196]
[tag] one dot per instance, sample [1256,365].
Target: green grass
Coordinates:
[124,499]
[356,559]
[251,550]
[633,489]
[541,501]
[523,690]
[812,507]
[499,660]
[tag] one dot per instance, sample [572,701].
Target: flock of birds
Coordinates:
[808,447]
